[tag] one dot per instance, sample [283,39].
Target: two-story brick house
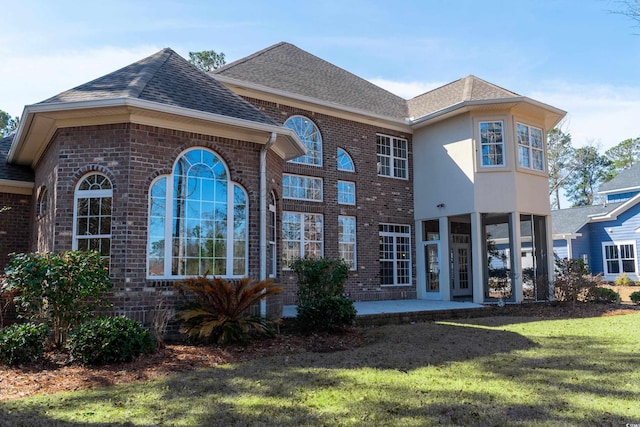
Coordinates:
[170,172]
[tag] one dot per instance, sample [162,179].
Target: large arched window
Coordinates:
[92,214]
[203,217]
[310,135]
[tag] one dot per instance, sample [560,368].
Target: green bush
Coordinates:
[60,289]
[623,280]
[20,343]
[322,305]
[219,311]
[635,297]
[603,296]
[108,340]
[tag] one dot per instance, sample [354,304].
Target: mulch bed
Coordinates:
[57,374]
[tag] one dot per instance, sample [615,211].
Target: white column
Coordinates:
[445,265]
[516,257]
[421,274]
[477,257]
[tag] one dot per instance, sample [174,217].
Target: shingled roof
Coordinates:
[627,179]
[288,68]
[571,220]
[165,77]
[12,172]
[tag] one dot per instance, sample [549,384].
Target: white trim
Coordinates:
[395,259]
[504,163]
[91,194]
[306,189]
[392,157]
[617,244]
[353,184]
[613,215]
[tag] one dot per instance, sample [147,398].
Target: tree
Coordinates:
[207,60]
[588,169]
[8,124]
[559,154]
[623,155]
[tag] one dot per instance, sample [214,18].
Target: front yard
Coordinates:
[500,370]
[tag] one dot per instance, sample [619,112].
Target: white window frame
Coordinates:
[526,147]
[346,193]
[347,243]
[310,135]
[489,144]
[394,157]
[396,232]
[304,221]
[302,187]
[106,193]
[619,251]
[272,236]
[342,155]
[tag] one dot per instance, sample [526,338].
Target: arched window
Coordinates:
[92,214]
[310,135]
[202,215]
[345,163]
[43,201]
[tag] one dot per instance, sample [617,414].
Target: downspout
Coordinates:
[263,216]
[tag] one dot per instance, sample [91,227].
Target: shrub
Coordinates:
[635,297]
[60,289]
[20,343]
[623,280]
[603,296]
[219,312]
[7,307]
[108,340]
[322,306]
[573,280]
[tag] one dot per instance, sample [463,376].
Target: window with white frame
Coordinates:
[310,136]
[92,211]
[347,239]
[299,187]
[619,257]
[530,147]
[271,236]
[345,163]
[346,193]
[198,220]
[301,236]
[392,156]
[492,143]
[395,254]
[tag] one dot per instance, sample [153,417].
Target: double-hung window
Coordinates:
[347,239]
[619,257]
[392,156]
[530,147]
[492,143]
[301,236]
[92,222]
[395,254]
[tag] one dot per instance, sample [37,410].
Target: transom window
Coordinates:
[492,143]
[310,136]
[301,187]
[346,193]
[301,236]
[197,220]
[345,163]
[92,209]
[392,156]
[395,254]
[619,257]
[347,239]
[530,147]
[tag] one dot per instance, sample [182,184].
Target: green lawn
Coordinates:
[488,371]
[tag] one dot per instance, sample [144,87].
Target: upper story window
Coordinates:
[301,236]
[530,147]
[345,163]
[92,212]
[346,193]
[300,187]
[392,156]
[492,143]
[198,220]
[310,136]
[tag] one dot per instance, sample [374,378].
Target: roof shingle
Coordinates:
[12,172]
[628,178]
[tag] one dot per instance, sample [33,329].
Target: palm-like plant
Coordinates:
[219,311]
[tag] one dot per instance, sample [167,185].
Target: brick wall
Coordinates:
[15,226]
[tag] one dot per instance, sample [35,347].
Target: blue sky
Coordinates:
[573,54]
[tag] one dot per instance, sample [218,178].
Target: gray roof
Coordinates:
[470,88]
[567,221]
[167,78]
[9,171]
[286,67]
[628,178]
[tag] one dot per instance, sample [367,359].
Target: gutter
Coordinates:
[263,216]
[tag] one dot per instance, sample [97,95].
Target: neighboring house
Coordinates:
[170,172]
[605,236]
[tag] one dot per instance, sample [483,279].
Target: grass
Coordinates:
[488,371]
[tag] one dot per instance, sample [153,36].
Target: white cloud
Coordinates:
[31,79]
